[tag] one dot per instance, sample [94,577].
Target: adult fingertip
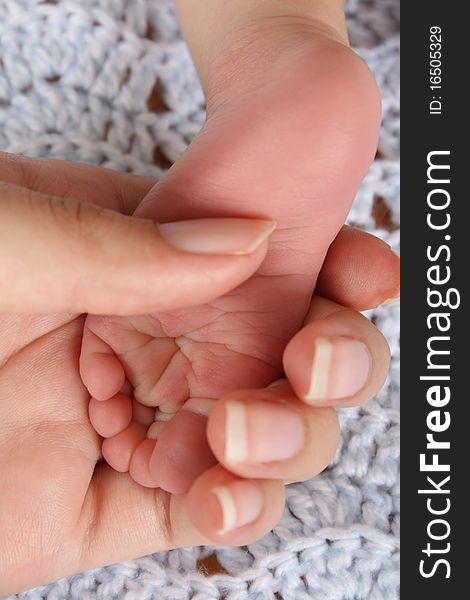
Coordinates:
[393,295]
[236,511]
[239,503]
[269,434]
[325,369]
[360,271]
[340,359]
[340,367]
[255,432]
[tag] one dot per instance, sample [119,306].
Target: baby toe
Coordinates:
[181,452]
[139,465]
[112,416]
[100,369]
[118,450]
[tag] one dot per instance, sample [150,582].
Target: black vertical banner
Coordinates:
[435,165]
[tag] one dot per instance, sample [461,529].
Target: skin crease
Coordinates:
[76,512]
[48,450]
[237,340]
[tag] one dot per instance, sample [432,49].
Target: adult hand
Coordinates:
[61,509]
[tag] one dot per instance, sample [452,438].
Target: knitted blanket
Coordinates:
[110,82]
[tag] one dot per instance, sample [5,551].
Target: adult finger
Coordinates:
[271,434]
[339,358]
[59,254]
[360,271]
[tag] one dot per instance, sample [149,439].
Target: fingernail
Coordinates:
[217,236]
[261,432]
[241,502]
[340,369]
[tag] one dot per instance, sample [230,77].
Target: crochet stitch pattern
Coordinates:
[111,82]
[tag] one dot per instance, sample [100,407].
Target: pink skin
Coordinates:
[265,151]
[54,479]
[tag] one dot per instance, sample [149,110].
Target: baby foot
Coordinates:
[292,126]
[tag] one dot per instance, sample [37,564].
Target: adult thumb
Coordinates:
[60,254]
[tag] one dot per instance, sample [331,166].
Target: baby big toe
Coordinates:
[181,452]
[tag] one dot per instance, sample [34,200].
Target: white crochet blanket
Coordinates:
[75,76]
